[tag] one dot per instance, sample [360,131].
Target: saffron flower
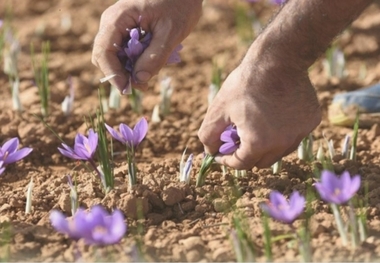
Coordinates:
[134,45]
[337,190]
[96,227]
[2,168]
[132,139]
[281,209]
[10,154]
[129,137]
[84,148]
[230,139]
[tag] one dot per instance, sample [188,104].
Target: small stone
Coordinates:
[221,205]
[172,196]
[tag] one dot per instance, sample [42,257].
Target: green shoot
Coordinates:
[136,99]
[277,166]
[242,242]
[106,165]
[354,138]
[166,91]
[204,170]
[305,149]
[267,238]
[41,76]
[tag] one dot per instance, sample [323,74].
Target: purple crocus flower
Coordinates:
[84,148]
[96,227]
[10,154]
[132,138]
[135,44]
[282,210]
[2,168]
[230,139]
[337,190]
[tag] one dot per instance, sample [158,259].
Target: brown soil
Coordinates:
[180,223]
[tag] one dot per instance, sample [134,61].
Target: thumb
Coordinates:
[154,57]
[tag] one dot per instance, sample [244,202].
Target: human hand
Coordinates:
[273,108]
[169,22]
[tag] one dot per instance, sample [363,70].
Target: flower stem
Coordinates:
[339,222]
[304,247]
[354,226]
[131,167]
[101,176]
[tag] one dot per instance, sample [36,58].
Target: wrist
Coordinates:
[303,30]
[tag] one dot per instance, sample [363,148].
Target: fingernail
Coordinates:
[143,76]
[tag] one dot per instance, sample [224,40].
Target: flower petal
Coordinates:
[228,148]
[114,134]
[127,133]
[355,184]
[68,152]
[139,131]
[277,199]
[17,155]
[59,222]
[10,146]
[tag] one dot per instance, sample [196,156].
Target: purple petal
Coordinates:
[18,155]
[139,131]
[277,199]
[226,136]
[228,148]
[10,146]
[114,134]
[79,139]
[118,226]
[97,215]
[134,34]
[134,50]
[92,141]
[80,227]
[230,136]
[59,222]
[126,132]
[330,181]
[296,203]
[82,152]
[345,180]
[355,184]
[68,152]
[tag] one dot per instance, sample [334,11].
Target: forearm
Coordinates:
[303,29]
